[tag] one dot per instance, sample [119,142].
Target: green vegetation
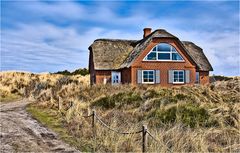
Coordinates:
[81,71]
[189,114]
[119,100]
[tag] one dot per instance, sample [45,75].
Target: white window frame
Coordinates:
[143,76]
[177,82]
[169,52]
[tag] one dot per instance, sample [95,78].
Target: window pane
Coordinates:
[164,47]
[150,80]
[152,56]
[180,72]
[164,56]
[180,80]
[173,49]
[176,56]
[145,76]
[175,72]
[145,72]
[150,72]
[145,80]
[154,49]
[150,76]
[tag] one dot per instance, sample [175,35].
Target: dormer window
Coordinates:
[163,52]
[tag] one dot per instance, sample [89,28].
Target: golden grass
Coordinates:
[185,119]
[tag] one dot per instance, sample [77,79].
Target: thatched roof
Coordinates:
[109,54]
[198,56]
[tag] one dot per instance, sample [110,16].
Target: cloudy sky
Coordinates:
[42,36]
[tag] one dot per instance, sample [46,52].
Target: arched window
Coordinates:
[163,52]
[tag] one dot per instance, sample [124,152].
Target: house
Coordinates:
[159,58]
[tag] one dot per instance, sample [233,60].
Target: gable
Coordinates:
[186,60]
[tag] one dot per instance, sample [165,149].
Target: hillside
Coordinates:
[184,119]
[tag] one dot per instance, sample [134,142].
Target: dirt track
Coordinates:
[21,133]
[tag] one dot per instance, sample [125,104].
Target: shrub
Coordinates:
[81,71]
[119,100]
[188,114]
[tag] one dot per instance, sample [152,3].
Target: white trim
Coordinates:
[169,52]
[178,77]
[153,77]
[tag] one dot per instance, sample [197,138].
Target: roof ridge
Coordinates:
[105,39]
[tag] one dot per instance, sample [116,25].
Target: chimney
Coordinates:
[146,32]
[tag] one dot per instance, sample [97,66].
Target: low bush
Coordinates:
[188,114]
[119,100]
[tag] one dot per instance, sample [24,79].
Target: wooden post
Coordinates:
[59,103]
[144,138]
[94,129]
[25,92]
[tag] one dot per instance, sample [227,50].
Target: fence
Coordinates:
[143,130]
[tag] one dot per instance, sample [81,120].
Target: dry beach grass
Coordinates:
[184,119]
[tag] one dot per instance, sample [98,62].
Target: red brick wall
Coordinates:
[126,75]
[204,77]
[101,74]
[163,66]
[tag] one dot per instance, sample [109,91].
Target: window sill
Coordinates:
[178,83]
[147,82]
[163,61]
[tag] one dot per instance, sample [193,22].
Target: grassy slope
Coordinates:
[197,119]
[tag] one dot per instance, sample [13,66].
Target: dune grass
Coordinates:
[185,119]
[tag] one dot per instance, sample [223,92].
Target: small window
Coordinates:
[148,76]
[178,76]
[197,78]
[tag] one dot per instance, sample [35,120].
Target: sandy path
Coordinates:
[21,133]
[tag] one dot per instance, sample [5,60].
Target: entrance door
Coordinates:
[116,77]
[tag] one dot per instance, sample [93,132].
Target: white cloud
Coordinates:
[66,47]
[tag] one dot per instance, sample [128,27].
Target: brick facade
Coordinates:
[164,66]
[129,75]
[204,77]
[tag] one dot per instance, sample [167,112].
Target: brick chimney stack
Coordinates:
[146,32]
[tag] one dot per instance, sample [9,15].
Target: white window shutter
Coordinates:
[139,76]
[170,76]
[187,76]
[157,76]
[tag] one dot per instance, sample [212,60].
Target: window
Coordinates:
[178,76]
[116,77]
[148,76]
[163,52]
[197,78]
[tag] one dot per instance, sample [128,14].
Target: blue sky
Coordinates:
[48,36]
